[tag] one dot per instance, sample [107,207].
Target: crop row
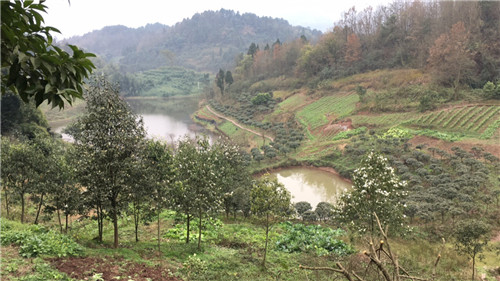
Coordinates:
[315,114]
[384,120]
[472,119]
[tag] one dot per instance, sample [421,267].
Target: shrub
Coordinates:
[35,241]
[312,238]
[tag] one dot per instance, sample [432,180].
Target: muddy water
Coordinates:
[312,185]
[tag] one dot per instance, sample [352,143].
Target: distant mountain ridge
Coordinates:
[205,42]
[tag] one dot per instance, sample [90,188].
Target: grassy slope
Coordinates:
[334,106]
[232,252]
[336,102]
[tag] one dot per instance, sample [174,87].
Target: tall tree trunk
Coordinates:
[136,222]
[59,219]
[473,265]
[39,208]
[267,236]
[6,201]
[66,226]
[22,207]
[159,240]
[188,224]
[99,221]
[199,230]
[115,224]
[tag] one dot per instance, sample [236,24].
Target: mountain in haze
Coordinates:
[205,42]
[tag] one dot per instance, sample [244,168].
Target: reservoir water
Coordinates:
[312,185]
[170,119]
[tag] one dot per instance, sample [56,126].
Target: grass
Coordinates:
[242,137]
[320,112]
[234,252]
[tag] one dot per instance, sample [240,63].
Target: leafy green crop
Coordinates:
[35,240]
[210,231]
[347,134]
[305,238]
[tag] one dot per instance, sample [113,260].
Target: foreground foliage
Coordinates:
[34,241]
[32,66]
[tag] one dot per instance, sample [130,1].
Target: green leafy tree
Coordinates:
[252,49]
[229,78]
[471,236]
[22,169]
[233,174]
[270,202]
[302,207]
[159,178]
[64,193]
[220,81]
[324,210]
[376,189]
[107,140]
[198,192]
[32,67]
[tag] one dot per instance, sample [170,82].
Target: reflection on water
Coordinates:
[312,185]
[166,127]
[167,119]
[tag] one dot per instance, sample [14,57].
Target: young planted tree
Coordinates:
[471,237]
[302,207]
[197,192]
[159,179]
[376,189]
[107,140]
[233,174]
[64,194]
[324,210]
[22,169]
[270,202]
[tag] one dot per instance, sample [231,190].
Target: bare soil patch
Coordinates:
[446,146]
[111,268]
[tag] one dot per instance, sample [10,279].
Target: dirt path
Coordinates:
[237,124]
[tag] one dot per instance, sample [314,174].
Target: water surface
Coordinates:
[312,185]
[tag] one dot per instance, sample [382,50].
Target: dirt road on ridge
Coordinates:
[238,125]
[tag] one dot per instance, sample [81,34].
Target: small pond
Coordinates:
[312,185]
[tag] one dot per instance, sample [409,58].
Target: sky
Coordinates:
[82,16]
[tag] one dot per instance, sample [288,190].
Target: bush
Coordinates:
[321,240]
[210,230]
[35,240]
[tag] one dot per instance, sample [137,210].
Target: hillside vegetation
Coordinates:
[402,100]
[205,42]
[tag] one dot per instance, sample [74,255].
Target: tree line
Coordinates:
[456,41]
[111,170]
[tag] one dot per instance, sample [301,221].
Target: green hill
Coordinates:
[206,42]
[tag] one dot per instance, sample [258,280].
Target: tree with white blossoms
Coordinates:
[200,171]
[376,189]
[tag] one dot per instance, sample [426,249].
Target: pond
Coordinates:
[168,119]
[164,118]
[312,185]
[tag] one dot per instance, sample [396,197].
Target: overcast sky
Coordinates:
[82,16]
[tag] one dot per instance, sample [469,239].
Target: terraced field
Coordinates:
[382,120]
[475,120]
[322,111]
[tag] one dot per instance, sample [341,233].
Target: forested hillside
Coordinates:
[205,42]
[401,102]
